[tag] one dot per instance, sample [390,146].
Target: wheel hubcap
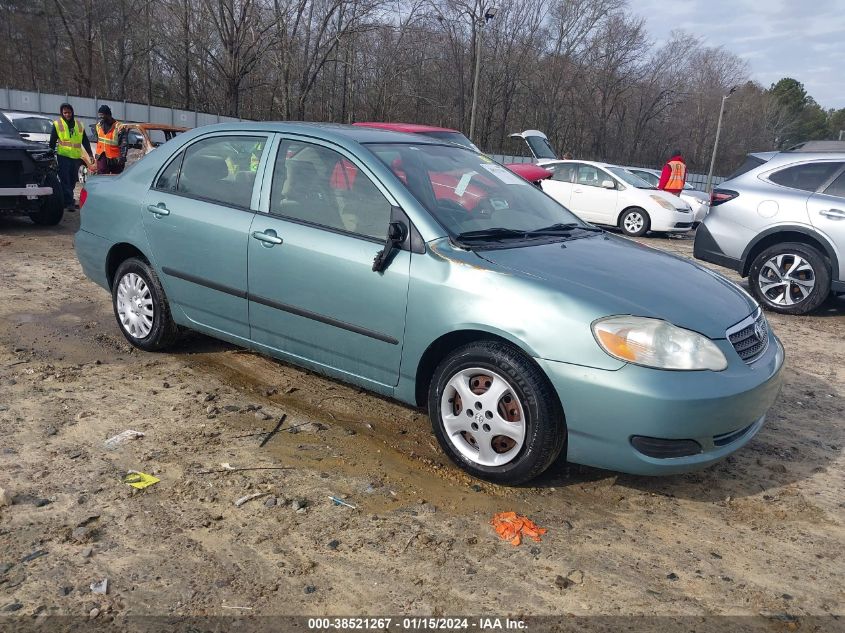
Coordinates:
[482,417]
[634,222]
[787,279]
[135,306]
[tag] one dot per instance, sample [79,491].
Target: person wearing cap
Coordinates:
[111,143]
[68,138]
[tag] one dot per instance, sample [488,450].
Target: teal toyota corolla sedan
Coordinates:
[425,271]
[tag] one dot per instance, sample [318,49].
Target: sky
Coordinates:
[777,38]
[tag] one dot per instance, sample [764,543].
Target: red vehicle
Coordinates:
[529,171]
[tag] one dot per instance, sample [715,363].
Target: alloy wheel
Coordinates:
[787,279]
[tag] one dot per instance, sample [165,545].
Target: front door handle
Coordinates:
[833,213]
[159,209]
[578,191]
[268,237]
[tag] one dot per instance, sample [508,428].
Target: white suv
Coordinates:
[780,221]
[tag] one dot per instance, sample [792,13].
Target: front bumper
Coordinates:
[29,192]
[666,221]
[721,411]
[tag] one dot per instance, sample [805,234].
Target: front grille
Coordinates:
[750,337]
[10,173]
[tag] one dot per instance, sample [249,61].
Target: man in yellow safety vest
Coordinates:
[68,138]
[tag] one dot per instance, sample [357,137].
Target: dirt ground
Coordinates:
[760,533]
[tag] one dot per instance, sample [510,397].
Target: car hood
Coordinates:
[676,201]
[611,275]
[10,142]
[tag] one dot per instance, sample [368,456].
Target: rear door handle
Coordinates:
[578,190]
[833,213]
[159,209]
[268,237]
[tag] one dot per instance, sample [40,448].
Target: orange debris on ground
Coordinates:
[511,527]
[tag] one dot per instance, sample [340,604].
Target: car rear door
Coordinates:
[559,186]
[197,217]
[312,292]
[826,209]
[590,201]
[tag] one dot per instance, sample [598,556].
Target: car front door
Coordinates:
[197,218]
[827,213]
[590,201]
[313,294]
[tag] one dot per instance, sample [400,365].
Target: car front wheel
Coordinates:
[50,208]
[495,413]
[141,308]
[635,222]
[790,278]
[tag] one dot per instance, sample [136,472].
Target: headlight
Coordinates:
[658,344]
[663,203]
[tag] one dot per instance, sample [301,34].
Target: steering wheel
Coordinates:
[444,204]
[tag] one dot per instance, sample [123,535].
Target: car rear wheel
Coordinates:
[141,308]
[495,413]
[51,208]
[790,278]
[635,222]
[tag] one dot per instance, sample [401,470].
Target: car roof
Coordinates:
[336,132]
[412,128]
[28,115]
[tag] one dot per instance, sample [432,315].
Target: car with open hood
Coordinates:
[526,333]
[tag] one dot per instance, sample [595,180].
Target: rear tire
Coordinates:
[52,207]
[141,307]
[790,278]
[502,391]
[635,222]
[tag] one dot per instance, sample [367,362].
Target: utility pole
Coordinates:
[489,14]
[709,188]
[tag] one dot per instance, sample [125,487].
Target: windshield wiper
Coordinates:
[561,229]
[493,233]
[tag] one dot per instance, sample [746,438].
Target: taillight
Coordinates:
[721,195]
[83,196]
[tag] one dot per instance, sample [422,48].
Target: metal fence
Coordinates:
[86,108]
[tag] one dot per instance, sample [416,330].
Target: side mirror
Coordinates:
[397,232]
[608,184]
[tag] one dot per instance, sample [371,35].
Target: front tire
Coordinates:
[141,307]
[790,278]
[495,413]
[51,208]
[635,222]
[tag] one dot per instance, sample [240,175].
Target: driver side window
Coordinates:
[318,185]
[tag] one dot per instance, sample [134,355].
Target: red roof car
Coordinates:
[529,171]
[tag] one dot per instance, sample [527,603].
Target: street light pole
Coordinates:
[488,15]
[709,188]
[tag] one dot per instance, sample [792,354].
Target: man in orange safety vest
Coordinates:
[674,174]
[111,143]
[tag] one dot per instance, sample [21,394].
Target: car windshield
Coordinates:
[453,137]
[7,129]
[627,177]
[468,193]
[33,125]
[540,146]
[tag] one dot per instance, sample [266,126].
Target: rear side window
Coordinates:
[750,163]
[837,187]
[562,173]
[806,177]
[222,169]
